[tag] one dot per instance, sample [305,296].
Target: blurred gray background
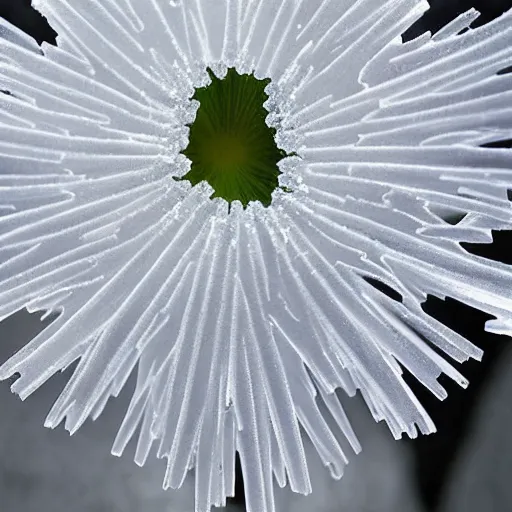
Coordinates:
[465,467]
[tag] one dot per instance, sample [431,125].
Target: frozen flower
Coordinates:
[205,191]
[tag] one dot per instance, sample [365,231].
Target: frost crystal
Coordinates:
[241,325]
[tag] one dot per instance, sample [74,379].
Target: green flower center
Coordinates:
[230,144]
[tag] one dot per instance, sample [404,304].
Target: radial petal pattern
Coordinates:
[242,325]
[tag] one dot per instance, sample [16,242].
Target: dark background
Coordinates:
[434,457]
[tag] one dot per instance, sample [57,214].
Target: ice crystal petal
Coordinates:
[241,325]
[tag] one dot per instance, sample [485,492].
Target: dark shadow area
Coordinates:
[454,218]
[26,326]
[443,11]
[505,71]
[504,144]
[499,250]
[436,454]
[384,288]
[24,16]
[239,498]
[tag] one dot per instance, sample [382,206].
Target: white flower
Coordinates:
[243,324]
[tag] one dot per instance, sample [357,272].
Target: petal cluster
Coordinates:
[242,324]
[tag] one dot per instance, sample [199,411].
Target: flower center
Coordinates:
[230,144]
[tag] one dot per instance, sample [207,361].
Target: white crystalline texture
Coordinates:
[241,326]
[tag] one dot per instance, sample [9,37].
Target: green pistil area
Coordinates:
[230,145]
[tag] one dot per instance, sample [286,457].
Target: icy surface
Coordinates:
[241,326]
[37,473]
